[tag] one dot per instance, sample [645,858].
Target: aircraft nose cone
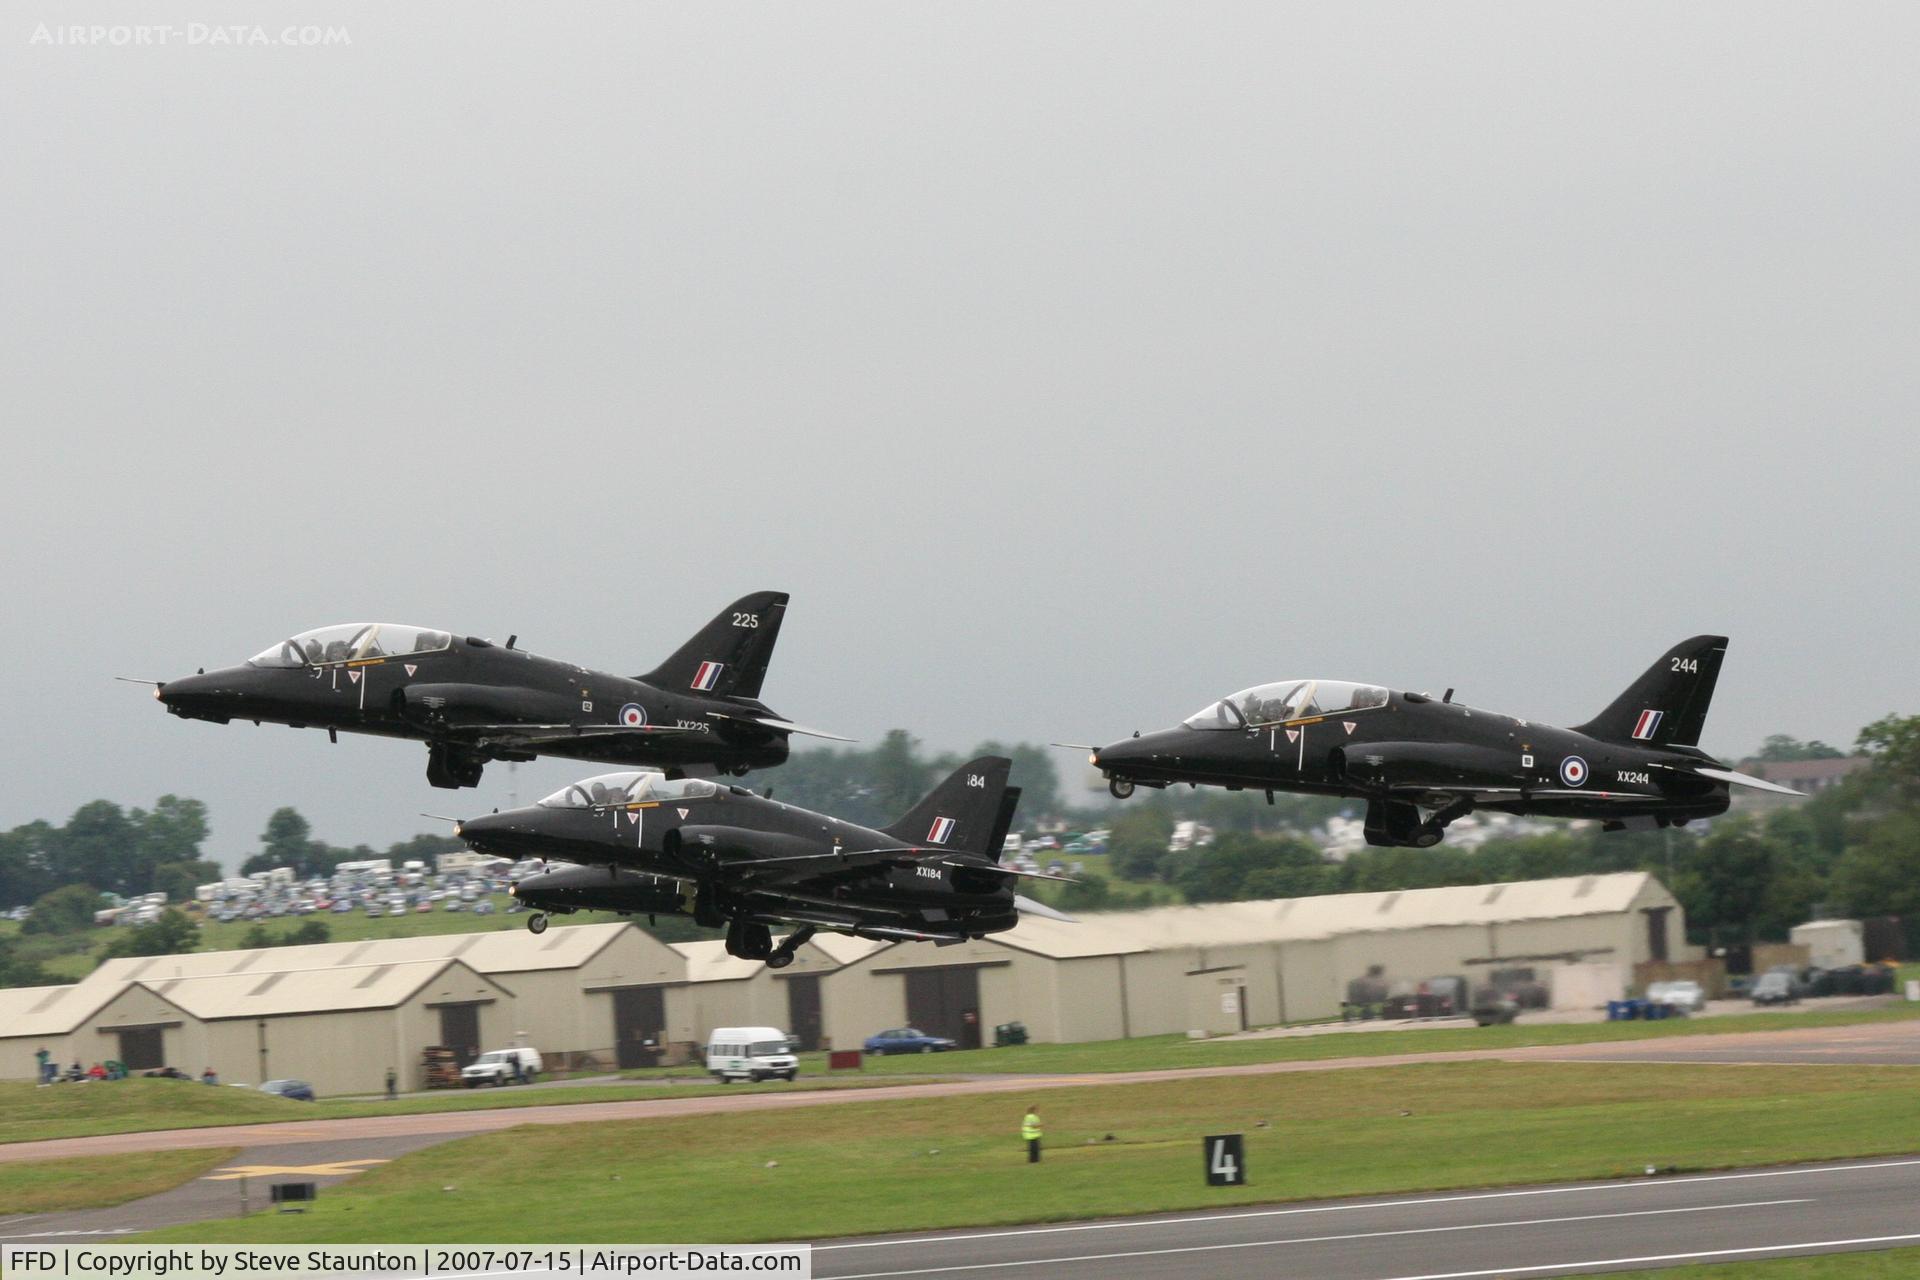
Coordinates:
[504,833]
[190,695]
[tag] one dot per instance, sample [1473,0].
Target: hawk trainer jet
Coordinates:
[471,700]
[638,839]
[1420,762]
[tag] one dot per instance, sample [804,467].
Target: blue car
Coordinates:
[907,1040]
[298,1090]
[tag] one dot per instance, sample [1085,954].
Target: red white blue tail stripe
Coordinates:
[708,676]
[942,828]
[1644,727]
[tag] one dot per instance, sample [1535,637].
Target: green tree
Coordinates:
[1880,875]
[1781,747]
[64,910]
[172,934]
[178,880]
[1894,744]
[18,972]
[1138,846]
[1243,867]
[1725,883]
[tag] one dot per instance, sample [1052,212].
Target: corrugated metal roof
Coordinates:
[1328,916]
[709,962]
[498,951]
[332,990]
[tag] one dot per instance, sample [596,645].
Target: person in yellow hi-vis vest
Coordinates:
[1030,1131]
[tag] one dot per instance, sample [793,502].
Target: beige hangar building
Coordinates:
[612,995]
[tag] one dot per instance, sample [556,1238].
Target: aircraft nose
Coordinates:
[502,833]
[193,695]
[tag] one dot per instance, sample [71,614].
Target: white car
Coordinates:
[1686,995]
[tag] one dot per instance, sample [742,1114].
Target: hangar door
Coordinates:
[946,1002]
[639,1026]
[140,1048]
[803,1011]
[460,1031]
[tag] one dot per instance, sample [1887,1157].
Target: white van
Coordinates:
[751,1053]
[495,1067]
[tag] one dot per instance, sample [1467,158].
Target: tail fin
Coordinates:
[728,657]
[964,812]
[997,841]
[1667,706]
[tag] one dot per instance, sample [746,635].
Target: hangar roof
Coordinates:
[42,1011]
[1327,916]
[497,951]
[259,995]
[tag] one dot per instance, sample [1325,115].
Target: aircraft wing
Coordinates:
[778,725]
[534,735]
[1496,795]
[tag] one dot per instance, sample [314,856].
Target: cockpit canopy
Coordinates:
[1287,700]
[630,787]
[352,642]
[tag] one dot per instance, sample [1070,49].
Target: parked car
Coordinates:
[908,1040]
[298,1090]
[495,1066]
[1777,987]
[1687,995]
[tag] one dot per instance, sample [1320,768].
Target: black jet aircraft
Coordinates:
[471,700]
[1421,762]
[638,840]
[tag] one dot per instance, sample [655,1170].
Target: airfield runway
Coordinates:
[328,1151]
[1521,1231]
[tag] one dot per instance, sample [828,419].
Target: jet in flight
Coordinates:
[471,700]
[1421,762]
[637,841]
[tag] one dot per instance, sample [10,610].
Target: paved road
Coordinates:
[1525,1231]
[1866,1044]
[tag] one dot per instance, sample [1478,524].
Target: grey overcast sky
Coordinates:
[1071,364]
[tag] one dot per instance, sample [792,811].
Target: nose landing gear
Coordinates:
[1119,788]
[537,922]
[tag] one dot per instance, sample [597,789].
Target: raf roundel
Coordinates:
[1573,771]
[633,715]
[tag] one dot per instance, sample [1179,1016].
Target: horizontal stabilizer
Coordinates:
[780,726]
[1027,906]
[995,869]
[1746,780]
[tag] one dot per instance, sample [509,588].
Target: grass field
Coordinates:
[96,1182]
[1157,1052]
[910,1165]
[30,1114]
[1886,1264]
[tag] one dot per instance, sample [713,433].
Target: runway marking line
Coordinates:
[1349,1235]
[1623,1185]
[1660,1257]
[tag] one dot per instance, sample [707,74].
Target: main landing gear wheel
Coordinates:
[1119,788]
[537,922]
[779,959]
